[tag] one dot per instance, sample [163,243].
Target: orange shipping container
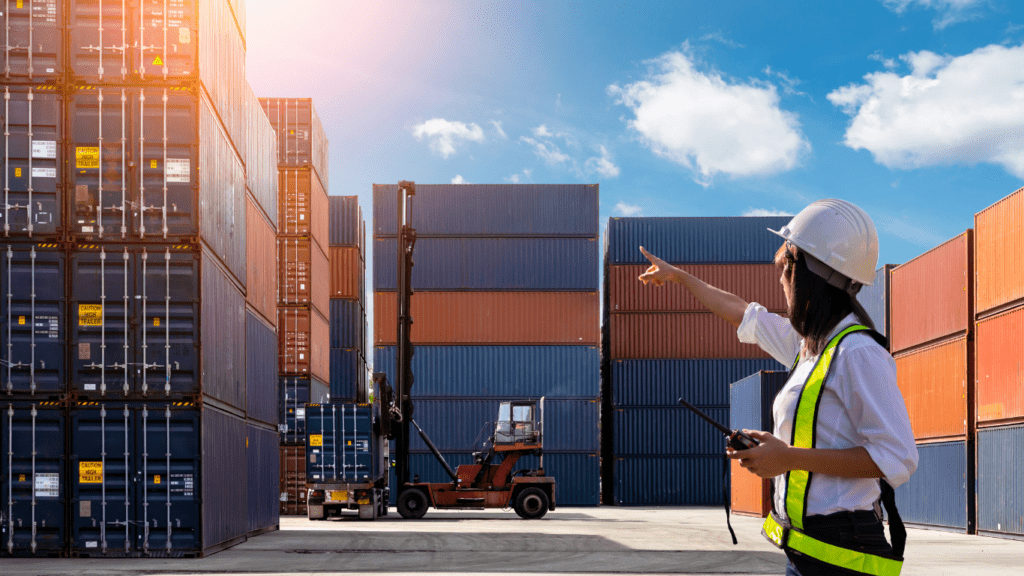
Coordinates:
[1000,367]
[304,274]
[302,205]
[680,335]
[935,382]
[261,263]
[750,496]
[752,282]
[347,273]
[930,296]
[492,318]
[303,342]
[999,237]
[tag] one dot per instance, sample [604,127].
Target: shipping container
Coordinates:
[1000,242]
[292,486]
[715,240]
[341,445]
[33,321]
[151,42]
[348,375]
[33,473]
[1000,469]
[238,11]
[303,337]
[679,335]
[499,371]
[937,494]
[750,494]
[304,274]
[139,328]
[663,382]
[295,392]
[666,430]
[505,264]
[347,227]
[937,385]
[167,169]
[750,408]
[33,159]
[260,157]
[752,282]
[492,318]
[262,266]
[302,208]
[264,474]
[156,479]
[348,273]
[669,480]
[261,394]
[546,210]
[301,140]
[930,296]
[347,322]
[34,41]
[875,299]
[999,347]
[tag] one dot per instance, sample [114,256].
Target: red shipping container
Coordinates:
[936,383]
[304,274]
[261,263]
[347,272]
[492,318]
[303,207]
[930,296]
[681,335]
[750,494]
[303,337]
[999,387]
[999,236]
[752,282]
[293,480]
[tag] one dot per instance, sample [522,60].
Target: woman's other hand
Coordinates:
[659,271]
[768,460]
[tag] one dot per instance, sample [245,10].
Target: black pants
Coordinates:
[860,530]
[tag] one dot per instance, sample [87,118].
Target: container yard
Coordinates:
[216,359]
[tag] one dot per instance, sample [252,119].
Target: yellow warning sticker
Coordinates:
[156,321]
[21,4]
[316,439]
[156,479]
[87,157]
[90,472]
[21,478]
[90,314]
[157,61]
[152,163]
[21,320]
[17,172]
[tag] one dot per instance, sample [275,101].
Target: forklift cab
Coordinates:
[519,423]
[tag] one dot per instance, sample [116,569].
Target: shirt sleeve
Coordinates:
[773,333]
[878,412]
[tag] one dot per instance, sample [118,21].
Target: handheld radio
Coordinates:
[738,440]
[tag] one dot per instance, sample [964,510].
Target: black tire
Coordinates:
[412,504]
[532,503]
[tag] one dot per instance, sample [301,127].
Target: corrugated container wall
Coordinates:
[752,282]
[936,387]
[262,268]
[348,375]
[302,205]
[303,274]
[936,494]
[1000,380]
[304,340]
[261,370]
[1000,469]
[292,486]
[663,382]
[295,392]
[750,408]
[346,226]
[347,324]
[694,240]
[347,273]
[261,157]
[931,294]
[1000,243]
[264,472]
[875,299]
[238,11]
[696,480]
[34,27]
[301,140]
[689,335]
[33,154]
[667,430]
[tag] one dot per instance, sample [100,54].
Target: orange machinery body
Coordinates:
[493,488]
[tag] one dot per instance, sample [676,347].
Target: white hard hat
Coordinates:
[839,235]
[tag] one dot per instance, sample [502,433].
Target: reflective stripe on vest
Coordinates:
[798,482]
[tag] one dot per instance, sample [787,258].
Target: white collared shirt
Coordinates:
[860,405]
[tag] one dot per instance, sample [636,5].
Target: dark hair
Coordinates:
[817,306]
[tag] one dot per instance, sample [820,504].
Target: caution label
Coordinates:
[90,314]
[156,479]
[21,320]
[316,439]
[17,172]
[178,170]
[156,321]
[153,164]
[157,61]
[90,472]
[87,157]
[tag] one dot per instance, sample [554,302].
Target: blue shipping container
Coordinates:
[32,478]
[348,375]
[261,370]
[347,324]
[505,264]
[694,240]
[491,210]
[875,299]
[346,226]
[264,475]
[341,445]
[669,480]
[32,151]
[33,319]
[751,399]
[664,430]
[1000,489]
[664,382]
[295,392]
[499,371]
[936,494]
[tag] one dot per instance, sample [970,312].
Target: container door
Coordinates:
[34,40]
[165,136]
[31,152]
[322,442]
[102,301]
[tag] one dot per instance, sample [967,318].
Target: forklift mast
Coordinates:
[406,241]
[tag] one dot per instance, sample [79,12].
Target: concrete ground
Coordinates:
[607,540]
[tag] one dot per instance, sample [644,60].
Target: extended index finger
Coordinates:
[654,259]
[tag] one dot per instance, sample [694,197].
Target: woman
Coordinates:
[841,424]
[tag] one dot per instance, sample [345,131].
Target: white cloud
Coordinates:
[628,209]
[788,84]
[718,37]
[546,151]
[889,63]
[949,11]
[444,134]
[603,165]
[497,127]
[948,111]
[517,178]
[459,179]
[763,212]
[712,125]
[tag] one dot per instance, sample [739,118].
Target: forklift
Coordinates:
[491,481]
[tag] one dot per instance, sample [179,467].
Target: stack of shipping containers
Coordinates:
[999,340]
[303,284]
[660,344]
[750,408]
[931,337]
[127,416]
[348,378]
[505,306]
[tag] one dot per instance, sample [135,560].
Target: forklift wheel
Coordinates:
[412,504]
[532,503]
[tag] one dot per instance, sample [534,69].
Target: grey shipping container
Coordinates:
[34,40]
[663,382]
[667,430]
[669,480]
[346,227]
[261,371]
[936,494]
[260,157]
[33,159]
[1000,468]
[491,210]
[155,322]
[342,446]
[751,399]
[264,467]
[295,392]
[875,299]
[301,140]
[694,240]
[348,375]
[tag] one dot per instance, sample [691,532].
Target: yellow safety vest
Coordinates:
[790,535]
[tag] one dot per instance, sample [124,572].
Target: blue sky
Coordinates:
[912,109]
